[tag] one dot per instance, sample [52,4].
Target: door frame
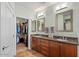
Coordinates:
[27,29]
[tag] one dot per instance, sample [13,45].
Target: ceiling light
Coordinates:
[64,5]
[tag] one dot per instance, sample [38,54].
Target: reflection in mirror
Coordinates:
[33,25]
[46,30]
[68,21]
[60,21]
[64,21]
[41,24]
[52,29]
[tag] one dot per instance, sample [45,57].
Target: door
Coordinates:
[8,38]
[38,44]
[34,43]
[54,49]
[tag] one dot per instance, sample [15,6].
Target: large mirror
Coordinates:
[41,24]
[34,26]
[64,21]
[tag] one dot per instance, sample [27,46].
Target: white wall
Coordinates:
[23,12]
[49,20]
[0,28]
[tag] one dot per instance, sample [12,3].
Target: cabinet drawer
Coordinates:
[44,41]
[44,45]
[45,51]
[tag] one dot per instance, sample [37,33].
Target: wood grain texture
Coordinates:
[54,48]
[68,50]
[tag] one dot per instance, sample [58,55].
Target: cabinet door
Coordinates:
[34,43]
[44,47]
[38,44]
[68,50]
[54,49]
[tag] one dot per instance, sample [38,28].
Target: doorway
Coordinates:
[21,31]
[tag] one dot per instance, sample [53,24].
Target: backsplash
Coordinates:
[39,35]
[70,39]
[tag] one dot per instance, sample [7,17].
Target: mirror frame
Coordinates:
[33,26]
[56,23]
[44,25]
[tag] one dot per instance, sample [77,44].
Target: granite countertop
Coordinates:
[58,40]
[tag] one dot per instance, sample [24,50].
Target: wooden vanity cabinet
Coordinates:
[68,50]
[54,49]
[61,49]
[44,47]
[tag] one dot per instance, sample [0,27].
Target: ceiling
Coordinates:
[35,5]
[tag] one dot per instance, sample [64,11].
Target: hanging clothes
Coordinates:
[17,38]
[21,28]
[24,28]
[18,28]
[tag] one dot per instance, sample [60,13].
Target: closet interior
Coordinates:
[21,31]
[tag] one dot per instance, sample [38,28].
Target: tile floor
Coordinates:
[23,51]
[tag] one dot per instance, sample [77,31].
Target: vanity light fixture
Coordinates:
[62,6]
[40,14]
[58,7]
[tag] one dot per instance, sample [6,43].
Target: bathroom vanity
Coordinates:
[55,47]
